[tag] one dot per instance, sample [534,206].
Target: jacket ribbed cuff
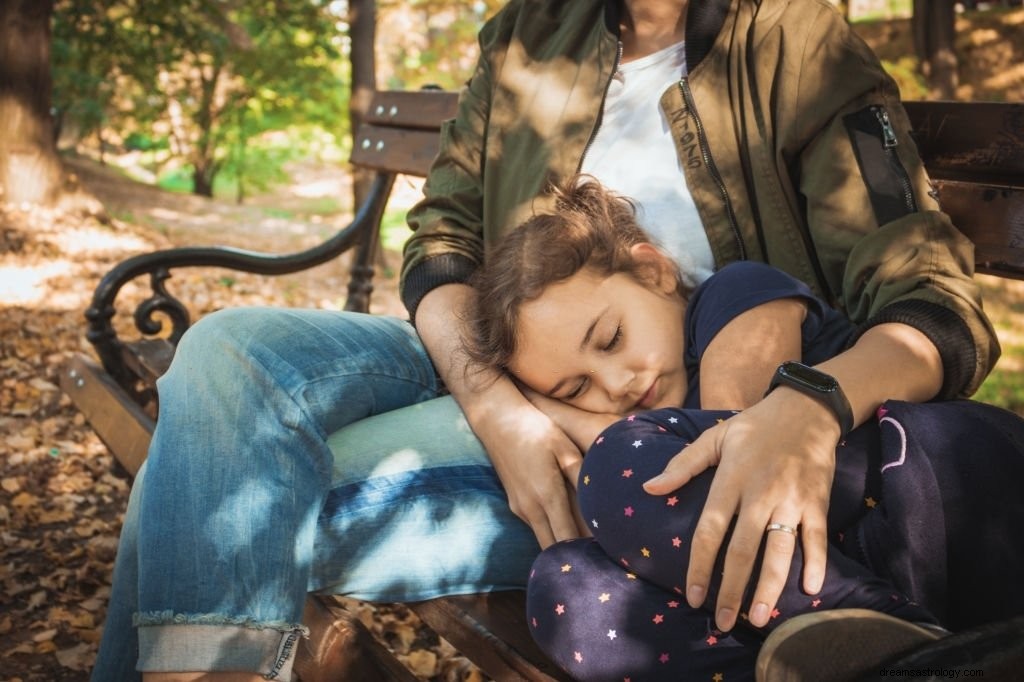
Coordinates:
[448,268]
[946,330]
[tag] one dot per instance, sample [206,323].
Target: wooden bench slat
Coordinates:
[979,141]
[119,422]
[425,109]
[992,218]
[491,630]
[395,150]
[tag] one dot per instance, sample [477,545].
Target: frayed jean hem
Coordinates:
[174,642]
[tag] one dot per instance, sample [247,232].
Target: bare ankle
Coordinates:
[202,677]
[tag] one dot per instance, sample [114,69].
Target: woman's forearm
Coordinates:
[889,362]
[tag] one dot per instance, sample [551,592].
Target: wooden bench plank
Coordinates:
[424,109]
[395,149]
[490,629]
[975,141]
[120,423]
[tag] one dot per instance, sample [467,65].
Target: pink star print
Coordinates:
[775,613]
[663,658]
[626,473]
[672,501]
[560,609]
[600,439]
[711,640]
[578,656]
[628,511]
[816,603]
[658,619]
[631,417]
[673,604]
[677,542]
[534,622]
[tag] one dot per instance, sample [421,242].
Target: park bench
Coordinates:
[974,153]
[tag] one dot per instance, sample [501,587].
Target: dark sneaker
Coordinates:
[994,651]
[840,645]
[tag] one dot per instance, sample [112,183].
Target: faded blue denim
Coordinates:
[269,476]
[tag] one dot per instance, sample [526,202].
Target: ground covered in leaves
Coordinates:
[62,494]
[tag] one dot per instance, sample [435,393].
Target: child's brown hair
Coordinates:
[589,227]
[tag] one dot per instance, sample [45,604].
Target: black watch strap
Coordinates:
[819,385]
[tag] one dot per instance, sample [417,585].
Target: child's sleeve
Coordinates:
[741,286]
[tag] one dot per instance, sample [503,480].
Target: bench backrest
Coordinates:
[974,153]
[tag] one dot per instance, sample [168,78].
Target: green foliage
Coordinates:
[1004,388]
[199,88]
[207,75]
[394,231]
[442,49]
[908,77]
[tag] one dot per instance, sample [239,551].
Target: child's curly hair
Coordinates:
[589,227]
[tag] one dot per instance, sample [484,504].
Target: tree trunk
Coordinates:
[30,170]
[934,32]
[363,31]
[202,180]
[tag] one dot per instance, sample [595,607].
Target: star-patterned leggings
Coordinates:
[611,607]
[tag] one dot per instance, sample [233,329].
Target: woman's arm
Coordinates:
[536,462]
[776,461]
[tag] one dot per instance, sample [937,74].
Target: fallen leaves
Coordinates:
[61,494]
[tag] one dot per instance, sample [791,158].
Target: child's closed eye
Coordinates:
[616,338]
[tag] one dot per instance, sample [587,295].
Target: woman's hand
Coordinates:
[776,462]
[536,462]
[538,465]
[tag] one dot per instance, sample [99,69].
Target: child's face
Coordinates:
[604,344]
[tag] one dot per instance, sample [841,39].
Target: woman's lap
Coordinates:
[244,506]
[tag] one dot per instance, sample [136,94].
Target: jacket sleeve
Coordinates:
[873,218]
[447,242]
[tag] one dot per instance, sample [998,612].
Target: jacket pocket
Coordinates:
[874,144]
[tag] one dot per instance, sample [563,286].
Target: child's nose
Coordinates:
[617,381]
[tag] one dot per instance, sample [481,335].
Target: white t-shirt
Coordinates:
[633,154]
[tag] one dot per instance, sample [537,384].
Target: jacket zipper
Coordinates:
[709,163]
[889,143]
[600,115]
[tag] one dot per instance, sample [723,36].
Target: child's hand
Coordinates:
[581,426]
[776,461]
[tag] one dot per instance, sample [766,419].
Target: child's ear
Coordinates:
[662,270]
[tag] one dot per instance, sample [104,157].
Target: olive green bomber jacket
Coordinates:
[791,137]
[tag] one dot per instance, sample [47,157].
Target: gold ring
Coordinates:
[780,526]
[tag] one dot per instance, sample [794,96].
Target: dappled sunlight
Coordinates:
[89,240]
[1011,76]
[26,285]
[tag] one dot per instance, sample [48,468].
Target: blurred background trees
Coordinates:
[219,95]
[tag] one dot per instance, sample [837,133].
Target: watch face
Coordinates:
[812,378]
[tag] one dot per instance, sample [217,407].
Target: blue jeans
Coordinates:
[298,451]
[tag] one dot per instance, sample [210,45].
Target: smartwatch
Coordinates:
[820,386]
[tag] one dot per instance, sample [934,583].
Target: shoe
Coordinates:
[840,645]
[994,650]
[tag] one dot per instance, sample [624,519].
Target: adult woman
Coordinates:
[794,151]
